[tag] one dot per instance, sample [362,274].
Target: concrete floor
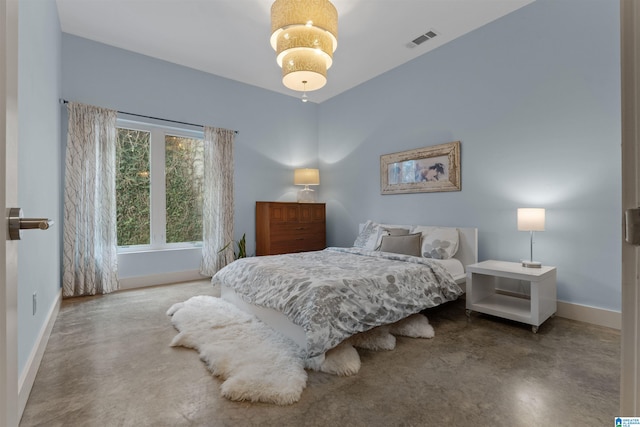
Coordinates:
[108,363]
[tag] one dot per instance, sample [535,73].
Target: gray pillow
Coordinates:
[391,231]
[396,231]
[408,244]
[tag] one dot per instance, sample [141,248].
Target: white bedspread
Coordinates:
[338,292]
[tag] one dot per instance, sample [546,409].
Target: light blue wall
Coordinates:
[276,133]
[39,167]
[534,98]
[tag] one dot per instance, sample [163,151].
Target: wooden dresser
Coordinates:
[284,227]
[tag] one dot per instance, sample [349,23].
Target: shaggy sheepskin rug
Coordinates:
[258,364]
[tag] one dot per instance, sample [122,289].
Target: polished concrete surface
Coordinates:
[108,363]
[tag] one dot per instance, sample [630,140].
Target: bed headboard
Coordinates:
[467,244]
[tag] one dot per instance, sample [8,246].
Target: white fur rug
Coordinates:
[258,364]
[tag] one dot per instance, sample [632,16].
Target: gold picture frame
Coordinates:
[422,170]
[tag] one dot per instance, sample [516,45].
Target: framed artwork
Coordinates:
[423,170]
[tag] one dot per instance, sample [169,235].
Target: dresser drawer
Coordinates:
[303,245]
[284,213]
[311,213]
[281,232]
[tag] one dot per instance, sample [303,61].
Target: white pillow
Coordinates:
[368,237]
[438,242]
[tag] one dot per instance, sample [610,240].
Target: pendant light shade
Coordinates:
[304,71]
[304,34]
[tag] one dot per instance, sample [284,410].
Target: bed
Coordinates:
[382,287]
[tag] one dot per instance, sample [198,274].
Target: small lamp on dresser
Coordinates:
[306,177]
[531,219]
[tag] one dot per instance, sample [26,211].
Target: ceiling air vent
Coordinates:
[422,38]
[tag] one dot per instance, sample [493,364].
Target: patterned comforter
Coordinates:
[338,292]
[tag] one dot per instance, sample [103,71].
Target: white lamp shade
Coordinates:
[306,177]
[531,219]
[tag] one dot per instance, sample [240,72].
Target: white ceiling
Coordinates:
[230,38]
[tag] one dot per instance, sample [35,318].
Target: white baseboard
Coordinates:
[28,377]
[159,279]
[593,315]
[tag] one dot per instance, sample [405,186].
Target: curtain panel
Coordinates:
[89,228]
[218,202]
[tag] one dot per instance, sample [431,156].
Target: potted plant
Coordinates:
[242,247]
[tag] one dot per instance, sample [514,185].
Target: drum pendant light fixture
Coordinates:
[304,34]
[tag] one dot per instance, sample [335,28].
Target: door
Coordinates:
[630,79]
[9,198]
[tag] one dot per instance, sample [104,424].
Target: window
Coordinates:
[133,196]
[184,174]
[159,184]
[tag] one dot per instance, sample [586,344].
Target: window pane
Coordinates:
[184,180]
[132,187]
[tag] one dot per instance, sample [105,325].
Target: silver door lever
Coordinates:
[18,223]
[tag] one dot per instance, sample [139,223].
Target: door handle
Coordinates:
[17,223]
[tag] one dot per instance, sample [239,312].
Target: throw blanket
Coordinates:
[338,292]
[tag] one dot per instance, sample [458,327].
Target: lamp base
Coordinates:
[306,195]
[531,264]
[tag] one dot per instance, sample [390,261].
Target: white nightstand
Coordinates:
[482,296]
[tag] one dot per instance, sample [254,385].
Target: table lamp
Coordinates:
[306,177]
[531,219]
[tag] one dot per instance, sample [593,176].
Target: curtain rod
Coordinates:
[64,101]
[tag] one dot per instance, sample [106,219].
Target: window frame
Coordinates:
[157,184]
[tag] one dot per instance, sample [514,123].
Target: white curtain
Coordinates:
[90,239]
[217,218]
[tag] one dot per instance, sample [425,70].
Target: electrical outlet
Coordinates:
[35,303]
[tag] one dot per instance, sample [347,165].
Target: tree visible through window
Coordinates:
[159,186]
[184,159]
[133,187]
